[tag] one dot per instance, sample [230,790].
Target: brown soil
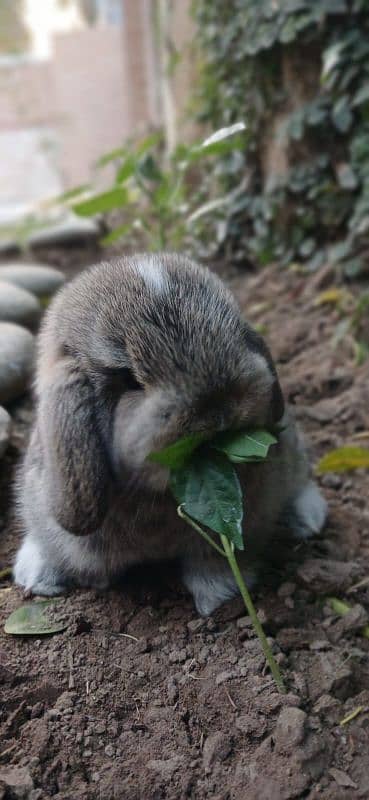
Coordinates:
[140,699]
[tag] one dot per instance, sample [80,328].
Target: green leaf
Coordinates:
[126,170]
[113,155]
[209,491]
[31,620]
[346,177]
[247,447]
[224,133]
[149,169]
[72,193]
[177,454]
[361,96]
[100,203]
[331,58]
[352,267]
[116,234]
[343,459]
[341,115]
[220,143]
[148,143]
[289,31]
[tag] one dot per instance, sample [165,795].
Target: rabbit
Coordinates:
[133,354]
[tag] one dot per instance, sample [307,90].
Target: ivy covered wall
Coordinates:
[297,72]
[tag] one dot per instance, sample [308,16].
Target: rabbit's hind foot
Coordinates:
[307,514]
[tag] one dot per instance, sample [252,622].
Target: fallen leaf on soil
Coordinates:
[333,296]
[31,620]
[343,459]
[342,778]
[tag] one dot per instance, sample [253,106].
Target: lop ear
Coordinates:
[256,344]
[76,465]
[277,402]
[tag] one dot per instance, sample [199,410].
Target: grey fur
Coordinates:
[134,354]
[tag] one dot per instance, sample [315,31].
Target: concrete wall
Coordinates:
[102,86]
[90,88]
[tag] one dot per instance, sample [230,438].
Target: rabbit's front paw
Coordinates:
[34,574]
[211,588]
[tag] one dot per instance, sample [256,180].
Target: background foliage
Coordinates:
[305,64]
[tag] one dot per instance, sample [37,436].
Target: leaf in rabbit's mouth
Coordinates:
[204,481]
[209,491]
[177,454]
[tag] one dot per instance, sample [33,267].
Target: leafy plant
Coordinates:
[161,200]
[205,485]
[253,54]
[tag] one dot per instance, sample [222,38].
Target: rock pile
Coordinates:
[25,289]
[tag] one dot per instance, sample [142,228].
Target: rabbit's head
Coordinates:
[165,352]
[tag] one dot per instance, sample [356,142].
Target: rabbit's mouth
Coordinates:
[149,477]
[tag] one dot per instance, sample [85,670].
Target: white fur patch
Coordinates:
[28,564]
[311,509]
[153,273]
[32,572]
[211,589]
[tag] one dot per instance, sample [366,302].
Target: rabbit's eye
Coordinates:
[129,381]
[121,379]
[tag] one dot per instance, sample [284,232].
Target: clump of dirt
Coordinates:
[139,698]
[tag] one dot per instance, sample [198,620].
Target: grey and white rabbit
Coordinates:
[134,354]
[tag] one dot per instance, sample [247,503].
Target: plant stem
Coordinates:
[229,551]
[199,530]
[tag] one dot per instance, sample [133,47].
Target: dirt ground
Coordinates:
[140,699]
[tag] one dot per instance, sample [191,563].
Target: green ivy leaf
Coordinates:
[342,115]
[101,203]
[244,447]
[353,267]
[361,96]
[32,620]
[343,459]
[209,491]
[289,31]
[177,454]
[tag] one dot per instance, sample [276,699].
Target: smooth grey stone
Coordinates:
[69,229]
[36,278]
[17,347]
[5,429]
[18,305]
